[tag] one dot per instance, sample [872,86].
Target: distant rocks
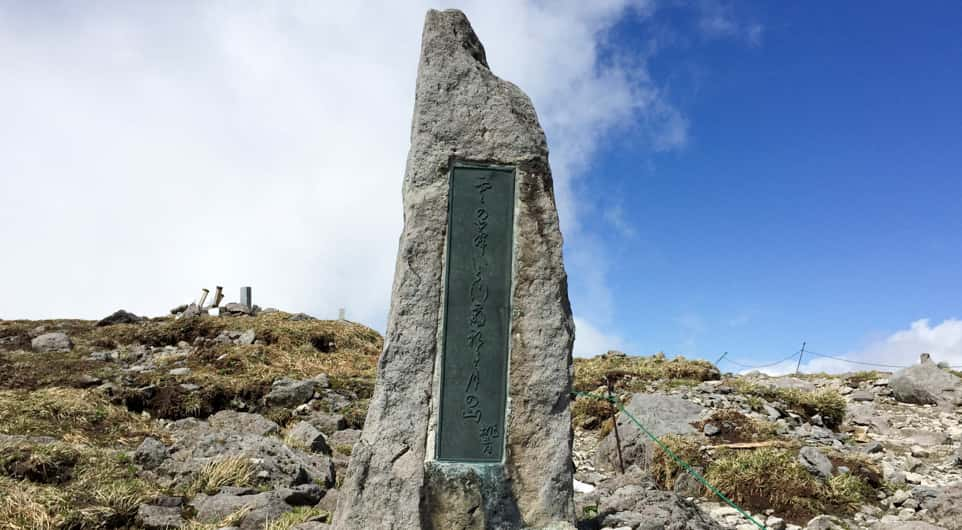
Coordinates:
[926,384]
[235,309]
[119,317]
[52,342]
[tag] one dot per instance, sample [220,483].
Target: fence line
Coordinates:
[797,355]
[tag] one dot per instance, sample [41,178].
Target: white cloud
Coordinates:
[718,20]
[151,149]
[592,341]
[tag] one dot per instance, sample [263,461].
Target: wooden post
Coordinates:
[614,418]
[800,354]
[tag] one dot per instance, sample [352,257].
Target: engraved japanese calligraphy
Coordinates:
[477,294]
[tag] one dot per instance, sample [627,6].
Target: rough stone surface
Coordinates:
[632,500]
[150,453]
[197,443]
[309,437]
[924,384]
[263,507]
[289,393]
[661,414]
[907,525]
[463,111]
[815,462]
[233,421]
[119,317]
[234,309]
[946,509]
[52,342]
[151,517]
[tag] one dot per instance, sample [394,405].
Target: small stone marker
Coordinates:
[246,298]
[469,426]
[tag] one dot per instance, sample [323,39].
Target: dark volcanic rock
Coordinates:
[119,317]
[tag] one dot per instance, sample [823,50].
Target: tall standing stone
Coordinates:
[462,432]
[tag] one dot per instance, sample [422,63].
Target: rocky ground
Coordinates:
[247,421]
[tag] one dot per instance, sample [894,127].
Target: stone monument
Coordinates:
[469,426]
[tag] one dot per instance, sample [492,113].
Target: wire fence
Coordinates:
[800,355]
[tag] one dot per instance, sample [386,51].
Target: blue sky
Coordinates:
[818,194]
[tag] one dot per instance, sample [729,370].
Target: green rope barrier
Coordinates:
[691,471]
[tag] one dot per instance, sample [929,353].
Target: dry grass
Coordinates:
[735,427]
[229,471]
[766,478]
[825,402]
[664,469]
[231,520]
[590,373]
[297,516]
[62,485]
[72,414]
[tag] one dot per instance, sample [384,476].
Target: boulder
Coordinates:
[52,342]
[152,517]
[234,309]
[193,311]
[233,421]
[289,393]
[661,414]
[246,338]
[946,509]
[926,384]
[300,316]
[262,508]
[633,500]
[197,443]
[119,317]
[326,422]
[150,453]
[815,462]
[306,435]
[826,522]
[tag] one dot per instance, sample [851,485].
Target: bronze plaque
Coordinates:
[477,314]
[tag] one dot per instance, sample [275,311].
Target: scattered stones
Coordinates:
[632,500]
[52,342]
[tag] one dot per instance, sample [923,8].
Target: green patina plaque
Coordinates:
[477,314]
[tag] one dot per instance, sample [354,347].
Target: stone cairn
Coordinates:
[469,426]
